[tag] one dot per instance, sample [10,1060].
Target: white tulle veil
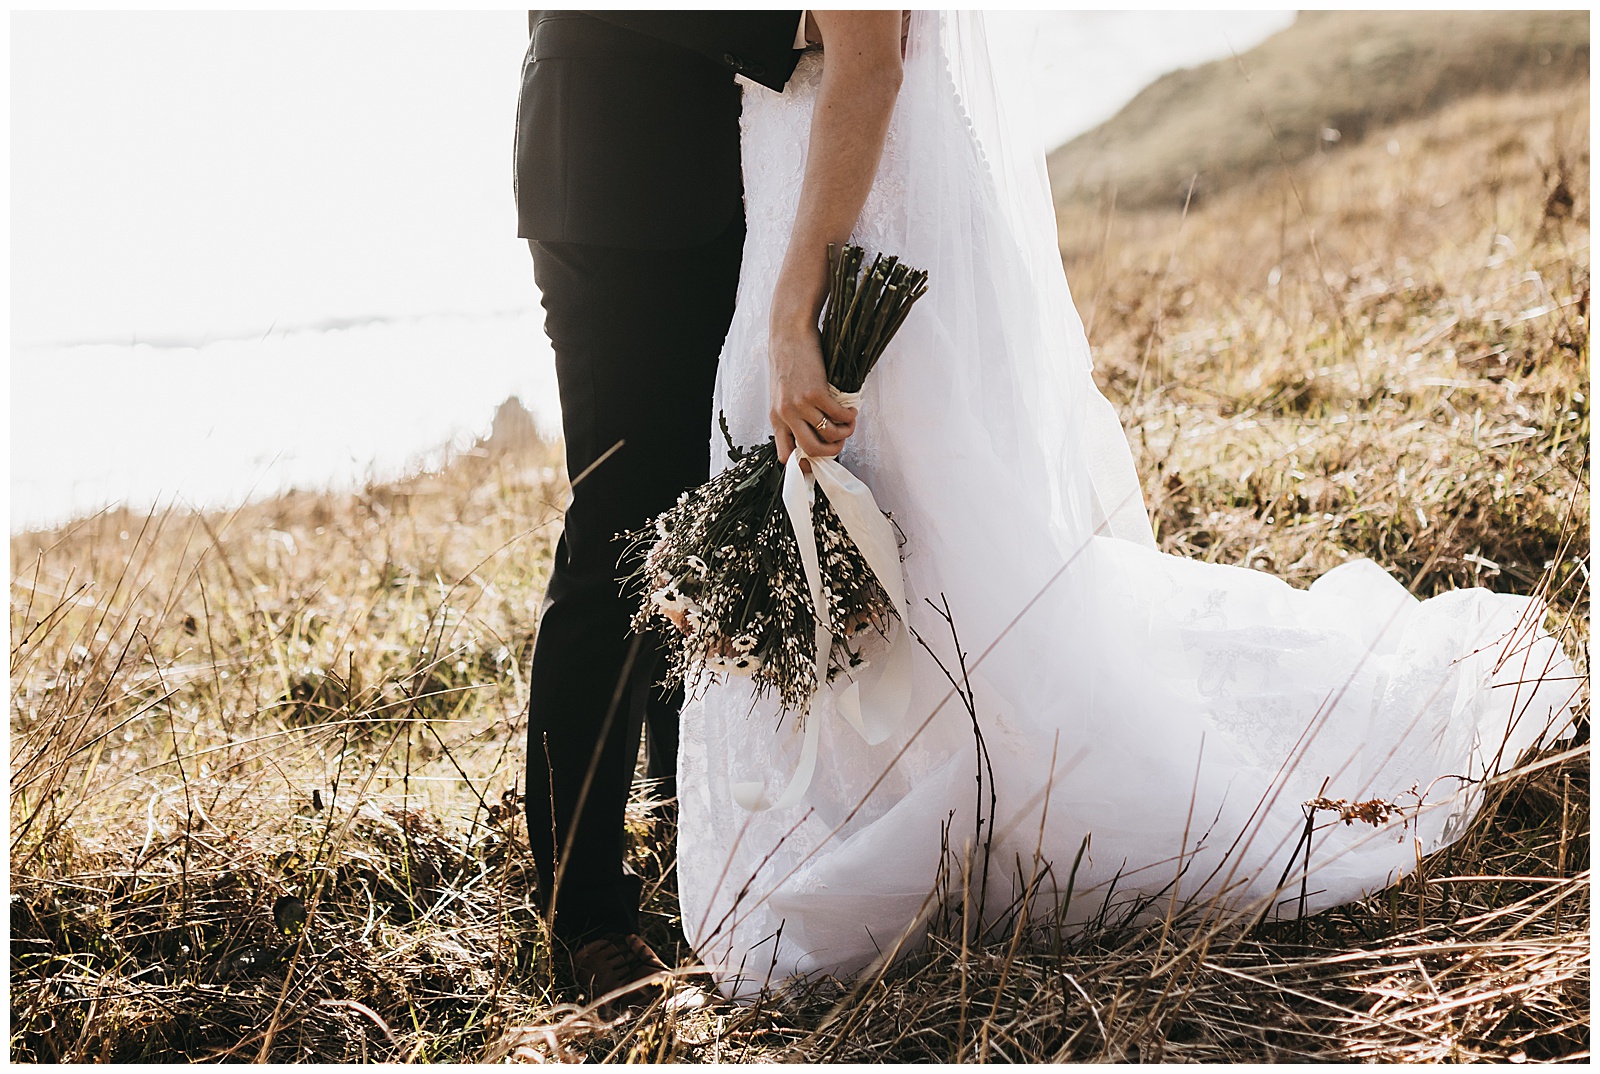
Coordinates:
[1074,424]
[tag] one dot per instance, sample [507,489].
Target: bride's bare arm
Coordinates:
[860,80]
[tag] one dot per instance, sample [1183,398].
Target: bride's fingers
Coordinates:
[815,414]
[808,440]
[836,431]
[783,439]
[833,410]
[832,432]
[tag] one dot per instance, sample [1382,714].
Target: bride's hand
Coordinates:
[804,413]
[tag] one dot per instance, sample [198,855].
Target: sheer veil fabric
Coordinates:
[1173,714]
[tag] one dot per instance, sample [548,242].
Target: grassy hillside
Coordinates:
[264,762]
[1384,350]
[1329,79]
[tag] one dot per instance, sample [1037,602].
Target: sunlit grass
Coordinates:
[313,707]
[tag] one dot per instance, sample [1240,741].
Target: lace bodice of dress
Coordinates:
[771,127]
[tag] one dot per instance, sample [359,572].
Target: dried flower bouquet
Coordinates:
[723,575]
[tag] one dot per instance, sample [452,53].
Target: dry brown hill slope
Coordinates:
[1333,75]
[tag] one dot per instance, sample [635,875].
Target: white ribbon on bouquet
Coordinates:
[874,708]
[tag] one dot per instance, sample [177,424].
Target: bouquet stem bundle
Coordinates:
[863,312]
[722,571]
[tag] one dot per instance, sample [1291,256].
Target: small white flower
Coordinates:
[697,565]
[669,599]
[744,643]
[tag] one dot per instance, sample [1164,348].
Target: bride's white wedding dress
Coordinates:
[1176,713]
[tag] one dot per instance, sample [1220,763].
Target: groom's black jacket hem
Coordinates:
[628,122]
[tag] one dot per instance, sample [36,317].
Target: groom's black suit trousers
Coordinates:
[628,188]
[636,336]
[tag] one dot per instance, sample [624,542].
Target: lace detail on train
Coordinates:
[1121,693]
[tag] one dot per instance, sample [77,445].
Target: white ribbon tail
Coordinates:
[873,709]
[753,796]
[797,499]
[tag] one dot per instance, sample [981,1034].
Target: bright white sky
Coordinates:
[179,179]
[181,173]
[177,173]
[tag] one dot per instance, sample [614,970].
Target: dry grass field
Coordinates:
[263,761]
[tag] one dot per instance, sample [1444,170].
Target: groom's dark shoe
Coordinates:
[625,964]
